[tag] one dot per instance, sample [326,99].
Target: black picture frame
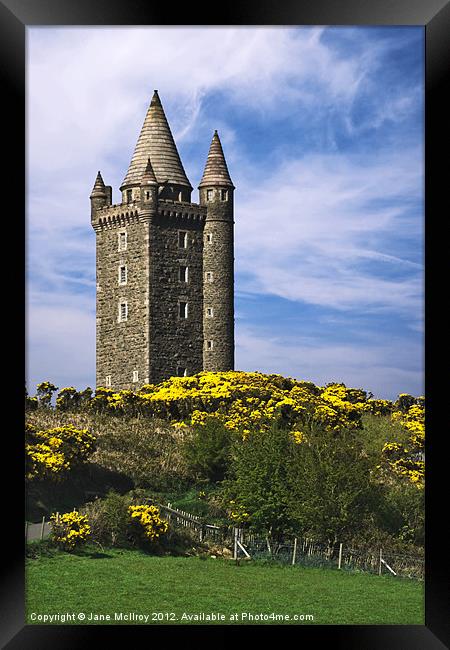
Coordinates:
[434,16]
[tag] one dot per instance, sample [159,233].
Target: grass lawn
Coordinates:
[130,582]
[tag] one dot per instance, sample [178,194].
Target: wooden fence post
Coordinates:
[26,531]
[235,544]
[294,552]
[379,563]
[340,556]
[42,528]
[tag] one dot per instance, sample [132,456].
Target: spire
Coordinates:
[99,188]
[216,170]
[148,177]
[156,142]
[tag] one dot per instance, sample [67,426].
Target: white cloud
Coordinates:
[305,231]
[60,342]
[379,368]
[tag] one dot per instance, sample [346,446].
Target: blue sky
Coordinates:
[322,129]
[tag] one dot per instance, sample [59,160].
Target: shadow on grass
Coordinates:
[93,555]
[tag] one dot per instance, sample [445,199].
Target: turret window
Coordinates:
[210,312]
[209,237]
[209,345]
[123,311]
[135,375]
[182,239]
[183,275]
[122,237]
[209,276]
[129,196]
[122,274]
[183,309]
[108,381]
[224,195]
[209,195]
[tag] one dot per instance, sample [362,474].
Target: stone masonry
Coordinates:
[165,265]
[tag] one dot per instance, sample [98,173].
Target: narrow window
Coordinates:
[209,237]
[183,309]
[208,276]
[108,381]
[209,195]
[122,274]
[122,241]
[135,375]
[183,274]
[147,195]
[209,312]
[123,311]
[181,372]
[224,195]
[180,196]
[129,196]
[209,345]
[182,239]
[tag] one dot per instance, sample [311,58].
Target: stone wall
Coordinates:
[176,343]
[155,340]
[122,346]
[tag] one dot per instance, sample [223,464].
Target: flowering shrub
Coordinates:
[242,401]
[146,522]
[69,530]
[45,391]
[409,461]
[52,452]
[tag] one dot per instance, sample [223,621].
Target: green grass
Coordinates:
[129,581]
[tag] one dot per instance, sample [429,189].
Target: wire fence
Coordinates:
[309,553]
[290,551]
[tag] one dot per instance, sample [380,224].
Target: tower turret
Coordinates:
[149,191]
[99,195]
[216,193]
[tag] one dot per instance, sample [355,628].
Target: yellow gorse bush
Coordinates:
[69,529]
[52,452]
[242,401]
[409,461]
[148,521]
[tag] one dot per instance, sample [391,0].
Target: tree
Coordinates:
[257,490]
[331,491]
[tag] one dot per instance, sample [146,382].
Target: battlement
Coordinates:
[182,210]
[121,214]
[115,216]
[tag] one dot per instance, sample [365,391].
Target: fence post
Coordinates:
[294,553]
[340,556]
[26,531]
[379,563]
[42,528]
[235,544]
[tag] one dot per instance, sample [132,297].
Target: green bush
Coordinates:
[109,519]
[207,450]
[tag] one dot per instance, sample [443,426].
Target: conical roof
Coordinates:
[156,142]
[216,170]
[148,177]
[99,186]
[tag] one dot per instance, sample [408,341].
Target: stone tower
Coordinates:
[165,265]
